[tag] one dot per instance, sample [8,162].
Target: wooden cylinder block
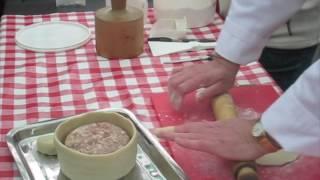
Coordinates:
[119,32]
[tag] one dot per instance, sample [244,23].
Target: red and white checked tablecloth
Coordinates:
[40,86]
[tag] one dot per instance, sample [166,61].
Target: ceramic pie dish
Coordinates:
[111,166]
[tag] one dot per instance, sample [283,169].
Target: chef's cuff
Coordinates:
[290,128]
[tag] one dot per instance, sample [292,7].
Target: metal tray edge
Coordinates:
[147,133]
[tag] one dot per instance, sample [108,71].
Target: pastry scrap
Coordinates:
[45,145]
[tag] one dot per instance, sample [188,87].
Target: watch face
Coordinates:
[257,130]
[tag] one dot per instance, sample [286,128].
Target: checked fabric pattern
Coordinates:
[41,86]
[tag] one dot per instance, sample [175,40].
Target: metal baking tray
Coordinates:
[153,161]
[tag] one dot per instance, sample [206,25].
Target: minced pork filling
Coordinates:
[97,138]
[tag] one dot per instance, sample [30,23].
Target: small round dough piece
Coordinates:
[45,145]
[278,158]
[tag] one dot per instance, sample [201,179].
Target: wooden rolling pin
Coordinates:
[225,109]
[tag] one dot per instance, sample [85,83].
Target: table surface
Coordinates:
[41,86]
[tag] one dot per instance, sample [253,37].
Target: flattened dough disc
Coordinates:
[45,145]
[278,158]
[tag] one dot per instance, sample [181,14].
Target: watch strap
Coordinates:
[274,143]
[264,139]
[266,143]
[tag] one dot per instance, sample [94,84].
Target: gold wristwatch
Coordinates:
[264,139]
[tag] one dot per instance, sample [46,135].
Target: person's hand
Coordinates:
[215,77]
[228,139]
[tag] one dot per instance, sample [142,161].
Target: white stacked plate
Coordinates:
[53,36]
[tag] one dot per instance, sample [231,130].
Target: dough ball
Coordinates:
[45,145]
[278,158]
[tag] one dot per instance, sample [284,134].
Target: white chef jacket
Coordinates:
[294,119]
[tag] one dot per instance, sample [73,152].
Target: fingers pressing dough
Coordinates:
[167,129]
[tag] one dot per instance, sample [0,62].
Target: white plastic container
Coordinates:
[198,13]
[171,28]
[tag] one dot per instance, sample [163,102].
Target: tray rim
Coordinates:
[16,154]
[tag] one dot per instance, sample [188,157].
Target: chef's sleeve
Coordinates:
[294,119]
[249,25]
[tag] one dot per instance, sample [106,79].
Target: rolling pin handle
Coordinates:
[245,171]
